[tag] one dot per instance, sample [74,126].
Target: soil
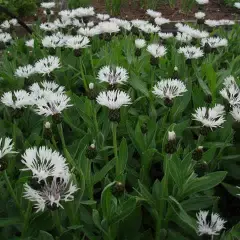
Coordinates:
[215,9]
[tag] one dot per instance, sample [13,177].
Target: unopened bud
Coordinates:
[91,151]
[47,125]
[197,153]
[118,189]
[176,68]
[91,86]
[171,136]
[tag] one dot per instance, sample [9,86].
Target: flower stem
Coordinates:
[26,219]
[83,76]
[60,131]
[115,150]
[11,191]
[54,142]
[57,220]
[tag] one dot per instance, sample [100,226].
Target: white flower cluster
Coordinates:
[194,33]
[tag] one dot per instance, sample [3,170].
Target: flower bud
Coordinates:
[47,132]
[92,93]
[91,151]
[138,52]
[118,189]
[171,146]
[197,153]
[201,168]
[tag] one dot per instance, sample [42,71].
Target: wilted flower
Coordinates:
[210,117]
[5,37]
[47,65]
[48,5]
[77,42]
[113,99]
[214,42]
[168,89]
[103,17]
[25,71]
[200,15]
[183,37]
[51,194]
[165,35]
[113,75]
[160,21]
[201,2]
[156,50]
[212,227]
[140,43]
[17,99]
[30,43]
[153,14]
[191,52]
[44,163]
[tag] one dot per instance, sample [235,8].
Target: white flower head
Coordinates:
[103,17]
[153,14]
[48,5]
[62,23]
[210,117]
[89,32]
[44,163]
[51,194]
[160,21]
[113,75]
[5,37]
[183,37]
[48,26]
[165,35]
[77,42]
[137,23]
[25,71]
[171,136]
[195,33]
[122,23]
[17,99]
[53,41]
[5,25]
[237,5]
[51,103]
[214,42]
[215,23]
[169,88]
[236,113]
[30,43]
[202,2]
[83,12]
[13,21]
[212,227]
[191,52]
[149,28]
[156,50]
[66,14]
[228,81]
[108,27]
[47,65]
[113,99]
[200,15]
[231,92]
[6,147]
[140,43]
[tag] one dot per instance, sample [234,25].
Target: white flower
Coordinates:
[5,37]
[89,32]
[137,23]
[17,99]
[113,75]
[210,117]
[160,20]
[62,23]
[113,99]
[226,22]
[122,23]
[211,23]
[191,52]
[108,27]
[236,113]
[47,65]
[237,5]
[6,147]
[13,21]
[77,42]
[183,37]
[156,50]
[83,12]
[169,88]
[48,5]
[140,43]
[165,35]
[5,25]
[51,103]
[195,33]
[66,14]
[231,91]
[48,26]
[77,23]
[30,43]
[214,42]
[201,2]
[44,163]
[25,71]
[200,15]
[153,14]
[48,12]
[51,194]
[212,227]
[103,17]
[149,28]
[215,23]
[90,24]
[47,125]
[171,136]
[53,41]
[228,81]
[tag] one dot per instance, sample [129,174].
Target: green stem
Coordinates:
[11,191]
[14,134]
[54,142]
[56,219]
[83,76]
[89,179]
[94,113]
[26,219]
[60,132]
[91,60]
[115,149]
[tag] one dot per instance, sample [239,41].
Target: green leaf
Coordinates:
[212,79]
[123,155]
[44,236]
[203,183]
[4,222]
[231,189]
